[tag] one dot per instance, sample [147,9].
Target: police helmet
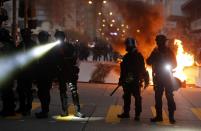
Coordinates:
[26,33]
[43,36]
[130,42]
[60,35]
[161,38]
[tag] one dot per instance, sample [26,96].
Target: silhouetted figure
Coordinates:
[26,75]
[132,71]
[7,47]
[68,74]
[160,57]
[46,71]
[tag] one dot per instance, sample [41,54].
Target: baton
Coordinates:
[114,90]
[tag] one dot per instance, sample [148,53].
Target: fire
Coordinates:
[183,60]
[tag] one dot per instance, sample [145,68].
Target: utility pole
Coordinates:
[14,24]
[26,2]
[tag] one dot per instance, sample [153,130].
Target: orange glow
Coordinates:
[183,60]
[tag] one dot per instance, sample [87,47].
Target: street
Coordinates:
[101,112]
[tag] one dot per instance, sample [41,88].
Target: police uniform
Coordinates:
[26,76]
[67,73]
[132,70]
[159,58]
[7,47]
[45,73]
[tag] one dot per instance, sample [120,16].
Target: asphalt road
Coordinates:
[101,112]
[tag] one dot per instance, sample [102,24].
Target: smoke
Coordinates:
[141,20]
[55,10]
[65,15]
[144,21]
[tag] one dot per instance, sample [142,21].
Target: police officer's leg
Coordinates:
[127,102]
[73,88]
[29,97]
[138,102]
[159,89]
[63,96]
[8,100]
[44,96]
[171,103]
[21,94]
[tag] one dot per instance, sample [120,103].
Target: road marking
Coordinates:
[35,105]
[16,117]
[165,116]
[197,112]
[71,109]
[113,111]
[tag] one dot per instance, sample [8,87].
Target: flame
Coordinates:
[183,60]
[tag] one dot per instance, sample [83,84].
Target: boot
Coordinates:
[64,113]
[156,119]
[41,115]
[80,115]
[137,117]
[7,113]
[123,115]
[171,117]
[26,113]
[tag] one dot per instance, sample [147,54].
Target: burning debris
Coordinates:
[183,60]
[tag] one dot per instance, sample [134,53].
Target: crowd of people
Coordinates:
[55,64]
[60,64]
[99,50]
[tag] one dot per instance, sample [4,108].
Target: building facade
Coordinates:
[192,9]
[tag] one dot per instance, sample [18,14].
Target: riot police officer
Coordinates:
[26,75]
[132,71]
[160,57]
[45,74]
[68,74]
[7,48]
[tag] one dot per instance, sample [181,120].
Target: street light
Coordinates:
[99,13]
[90,2]
[104,2]
[138,31]
[110,13]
